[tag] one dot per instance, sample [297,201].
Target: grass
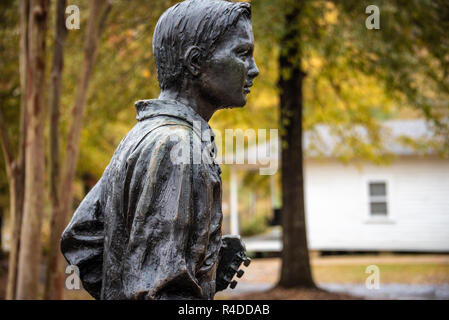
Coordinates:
[417,269]
[427,273]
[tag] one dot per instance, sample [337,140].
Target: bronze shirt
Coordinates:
[151,226]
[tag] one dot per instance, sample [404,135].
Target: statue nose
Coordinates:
[253,71]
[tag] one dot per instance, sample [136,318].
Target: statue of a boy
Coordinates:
[151,226]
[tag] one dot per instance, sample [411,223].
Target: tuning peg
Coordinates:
[241,256]
[233,284]
[246,262]
[240,273]
[234,268]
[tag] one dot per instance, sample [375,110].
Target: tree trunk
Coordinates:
[16,168]
[53,284]
[98,12]
[16,204]
[33,207]
[16,194]
[1,232]
[295,271]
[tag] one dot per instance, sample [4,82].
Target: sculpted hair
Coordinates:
[189,23]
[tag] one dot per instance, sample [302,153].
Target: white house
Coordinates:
[403,206]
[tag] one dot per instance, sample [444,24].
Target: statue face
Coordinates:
[227,76]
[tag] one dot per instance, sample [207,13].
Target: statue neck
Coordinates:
[191,98]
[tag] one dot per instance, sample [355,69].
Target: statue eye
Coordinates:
[243,52]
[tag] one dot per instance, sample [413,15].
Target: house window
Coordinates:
[378,199]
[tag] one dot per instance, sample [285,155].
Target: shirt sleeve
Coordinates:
[82,241]
[161,257]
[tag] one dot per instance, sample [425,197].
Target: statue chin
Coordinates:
[237,104]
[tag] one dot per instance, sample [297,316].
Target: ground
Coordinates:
[344,277]
[432,269]
[295,294]
[341,277]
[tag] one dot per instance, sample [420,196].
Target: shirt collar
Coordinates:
[156,107]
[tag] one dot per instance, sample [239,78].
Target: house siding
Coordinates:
[337,205]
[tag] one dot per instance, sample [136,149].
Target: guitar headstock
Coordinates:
[232,255]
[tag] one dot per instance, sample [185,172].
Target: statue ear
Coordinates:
[192,60]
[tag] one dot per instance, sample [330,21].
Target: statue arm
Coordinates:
[82,241]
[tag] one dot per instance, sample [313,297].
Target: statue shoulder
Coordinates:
[166,137]
[170,132]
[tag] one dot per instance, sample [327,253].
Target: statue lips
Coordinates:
[246,88]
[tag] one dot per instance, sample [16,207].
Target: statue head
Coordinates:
[206,47]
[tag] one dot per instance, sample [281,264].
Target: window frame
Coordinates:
[387,218]
[378,199]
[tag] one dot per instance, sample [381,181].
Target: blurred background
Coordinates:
[359,205]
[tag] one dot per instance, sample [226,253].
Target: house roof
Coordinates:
[394,133]
[398,137]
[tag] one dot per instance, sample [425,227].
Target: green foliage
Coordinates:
[408,56]
[254,225]
[355,76]
[340,90]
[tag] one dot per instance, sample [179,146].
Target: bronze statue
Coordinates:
[151,226]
